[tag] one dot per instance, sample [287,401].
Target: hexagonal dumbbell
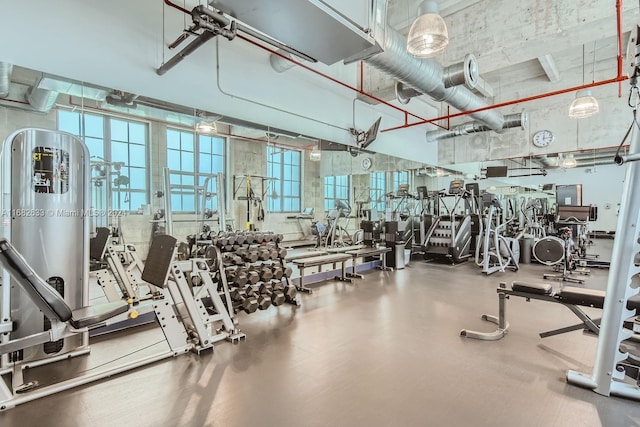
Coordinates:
[290,292]
[264,301]
[253,277]
[265,272]
[287,272]
[277,295]
[278,271]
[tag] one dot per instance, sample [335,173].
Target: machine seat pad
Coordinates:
[42,294]
[580,296]
[92,315]
[532,288]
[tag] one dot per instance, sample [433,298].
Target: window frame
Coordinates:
[284,187]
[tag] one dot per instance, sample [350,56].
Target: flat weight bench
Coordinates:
[319,261]
[363,253]
[570,297]
[307,254]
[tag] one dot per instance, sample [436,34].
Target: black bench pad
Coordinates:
[532,288]
[88,316]
[580,296]
[321,260]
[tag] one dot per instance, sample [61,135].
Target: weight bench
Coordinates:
[307,254]
[344,249]
[319,261]
[367,252]
[571,297]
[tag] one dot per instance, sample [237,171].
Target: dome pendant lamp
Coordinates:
[428,35]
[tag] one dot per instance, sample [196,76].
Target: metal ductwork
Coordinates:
[428,77]
[510,121]
[42,100]
[5,78]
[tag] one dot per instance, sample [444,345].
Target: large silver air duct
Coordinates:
[5,78]
[509,121]
[429,77]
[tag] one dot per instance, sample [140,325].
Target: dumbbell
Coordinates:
[253,277]
[290,292]
[282,253]
[250,290]
[230,258]
[276,293]
[278,271]
[264,253]
[273,252]
[258,237]
[264,301]
[249,255]
[265,272]
[249,238]
[240,239]
[231,239]
[221,242]
[279,238]
[246,303]
[238,276]
[287,272]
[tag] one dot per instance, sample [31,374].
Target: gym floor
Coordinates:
[382,351]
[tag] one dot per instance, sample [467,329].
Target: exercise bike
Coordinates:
[559,252]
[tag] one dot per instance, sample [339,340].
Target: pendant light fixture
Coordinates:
[585,104]
[428,35]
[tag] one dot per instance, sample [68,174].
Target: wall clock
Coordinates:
[543,138]
[366,163]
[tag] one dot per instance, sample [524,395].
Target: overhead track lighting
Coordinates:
[428,35]
[585,104]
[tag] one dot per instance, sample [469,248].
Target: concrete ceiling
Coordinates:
[523,48]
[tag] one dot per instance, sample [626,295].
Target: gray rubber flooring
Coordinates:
[382,351]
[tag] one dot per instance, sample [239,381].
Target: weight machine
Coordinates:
[45,316]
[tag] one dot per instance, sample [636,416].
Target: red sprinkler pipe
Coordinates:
[326,76]
[175,6]
[618,79]
[619,29]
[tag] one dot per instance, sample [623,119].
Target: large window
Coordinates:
[399,178]
[378,190]
[285,169]
[118,150]
[194,159]
[335,187]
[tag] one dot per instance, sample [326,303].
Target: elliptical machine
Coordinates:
[495,252]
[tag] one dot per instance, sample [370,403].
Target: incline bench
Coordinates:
[570,297]
[319,261]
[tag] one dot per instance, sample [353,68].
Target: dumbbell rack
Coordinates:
[253,264]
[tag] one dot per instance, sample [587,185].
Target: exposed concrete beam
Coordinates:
[484,88]
[449,7]
[549,66]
